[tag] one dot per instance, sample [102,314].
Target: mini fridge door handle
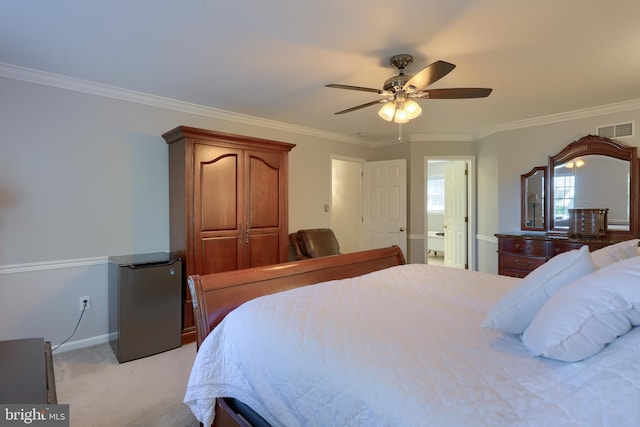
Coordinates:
[153,264]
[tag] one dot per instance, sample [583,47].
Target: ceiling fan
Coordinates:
[400,91]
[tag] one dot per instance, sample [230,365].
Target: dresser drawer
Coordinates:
[524,247]
[514,273]
[523,263]
[520,254]
[556,248]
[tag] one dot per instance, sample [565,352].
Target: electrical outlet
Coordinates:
[82,304]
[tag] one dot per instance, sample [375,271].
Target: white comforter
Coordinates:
[404,347]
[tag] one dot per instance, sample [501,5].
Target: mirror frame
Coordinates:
[524,199]
[596,145]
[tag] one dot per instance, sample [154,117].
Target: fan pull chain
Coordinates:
[400,132]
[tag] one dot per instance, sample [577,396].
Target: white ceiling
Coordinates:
[271,59]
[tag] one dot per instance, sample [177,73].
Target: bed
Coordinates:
[365,339]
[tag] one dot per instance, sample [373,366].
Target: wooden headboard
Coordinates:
[215,295]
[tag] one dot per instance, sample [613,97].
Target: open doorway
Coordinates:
[449,221]
[368,203]
[345,214]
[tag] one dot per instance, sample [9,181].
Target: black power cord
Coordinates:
[84,308]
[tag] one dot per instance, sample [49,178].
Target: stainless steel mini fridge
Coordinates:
[145,312]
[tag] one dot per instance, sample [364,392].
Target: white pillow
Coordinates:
[614,253]
[581,318]
[516,309]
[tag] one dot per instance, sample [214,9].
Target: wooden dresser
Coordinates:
[519,254]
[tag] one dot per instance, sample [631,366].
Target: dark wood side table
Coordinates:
[26,372]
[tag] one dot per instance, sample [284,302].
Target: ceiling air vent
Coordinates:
[619,130]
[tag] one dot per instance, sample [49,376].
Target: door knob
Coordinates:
[401,228]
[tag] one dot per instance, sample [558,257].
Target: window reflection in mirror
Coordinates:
[592,181]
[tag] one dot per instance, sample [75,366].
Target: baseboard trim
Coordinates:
[490,239]
[86,342]
[484,238]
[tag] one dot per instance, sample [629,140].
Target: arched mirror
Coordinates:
[533,213]
[594,173]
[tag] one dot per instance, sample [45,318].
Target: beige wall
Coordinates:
[504,156]
[84,176]
[415,152]
[310,180]
[500,160]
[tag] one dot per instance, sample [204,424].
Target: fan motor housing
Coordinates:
[395,83]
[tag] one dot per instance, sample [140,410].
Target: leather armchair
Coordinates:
[314,243]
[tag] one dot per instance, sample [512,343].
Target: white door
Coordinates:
[456,214]
[384,204]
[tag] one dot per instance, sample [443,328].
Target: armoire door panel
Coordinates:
[263,194]
[264,249]
[264,189]
[218,189]
[219,254]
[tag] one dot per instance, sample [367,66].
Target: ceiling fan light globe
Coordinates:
[412,109]
[387,111]
[401,116]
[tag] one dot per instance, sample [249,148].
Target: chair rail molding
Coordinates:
[51,265]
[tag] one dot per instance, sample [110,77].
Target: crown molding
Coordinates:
[427,137]
[443,137]
[84,86]
[618,107]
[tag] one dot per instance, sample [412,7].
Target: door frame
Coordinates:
[471,204]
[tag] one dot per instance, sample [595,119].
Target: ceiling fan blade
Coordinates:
[429,74]
[357,107]
[360,88]
[453,93]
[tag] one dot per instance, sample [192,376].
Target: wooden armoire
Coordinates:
[228,202]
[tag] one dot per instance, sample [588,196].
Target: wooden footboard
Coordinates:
[215,295]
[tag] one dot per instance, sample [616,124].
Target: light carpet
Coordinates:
[144,392]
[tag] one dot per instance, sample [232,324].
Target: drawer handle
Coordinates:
[525,247]
[524,264]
